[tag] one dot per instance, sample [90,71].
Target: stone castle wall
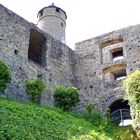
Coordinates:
[16,35]
[92,67]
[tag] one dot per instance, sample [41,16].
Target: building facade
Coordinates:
[97,66]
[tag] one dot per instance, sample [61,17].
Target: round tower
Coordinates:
[52,20]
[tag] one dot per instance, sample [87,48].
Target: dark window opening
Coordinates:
[62,24]
[37,49]
[91,86]
[117,54]
[39,76]
[120,74]
[57,10]
[40,13]
[16,51]
[119,104]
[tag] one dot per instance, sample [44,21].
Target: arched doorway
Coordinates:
[119,112]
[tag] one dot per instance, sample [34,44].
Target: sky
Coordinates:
[86,18]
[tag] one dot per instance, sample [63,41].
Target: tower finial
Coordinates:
[53,4]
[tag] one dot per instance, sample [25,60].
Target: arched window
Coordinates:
[107,44]
[115,72]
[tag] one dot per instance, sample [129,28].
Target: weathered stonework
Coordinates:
[14,49]
[92,67]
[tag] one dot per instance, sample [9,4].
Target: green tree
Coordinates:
[5,76]
[65,98]
[132,88]
[34,88]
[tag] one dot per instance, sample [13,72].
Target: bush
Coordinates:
[34,88]
[90,108]
[65,98]
[132,87]
[5,76]
[96,118]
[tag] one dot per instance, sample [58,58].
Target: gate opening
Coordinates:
[120,113]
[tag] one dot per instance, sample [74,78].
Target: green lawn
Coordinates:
[30,122]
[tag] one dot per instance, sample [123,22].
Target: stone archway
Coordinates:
[108,101]
[119,110]
[119,104]
[120,113]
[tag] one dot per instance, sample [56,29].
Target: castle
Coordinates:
[96,67]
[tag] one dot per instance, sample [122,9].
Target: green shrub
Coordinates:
[90,108]
[34,88]
[132,87]
[96,118]
[5,76]
[65,98]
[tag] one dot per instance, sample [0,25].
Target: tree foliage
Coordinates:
[132,87]
[65,98]
[34,88]
[5,76]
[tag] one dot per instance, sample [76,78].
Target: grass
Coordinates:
[30,122]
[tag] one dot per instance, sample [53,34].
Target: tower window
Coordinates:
[40,13]
[57,10]
[62,24]
[117,54]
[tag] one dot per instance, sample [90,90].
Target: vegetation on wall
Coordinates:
[34,88]
[132,87]
[65,98]
[5,76]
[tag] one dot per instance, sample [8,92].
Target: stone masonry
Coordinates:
[96,67]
